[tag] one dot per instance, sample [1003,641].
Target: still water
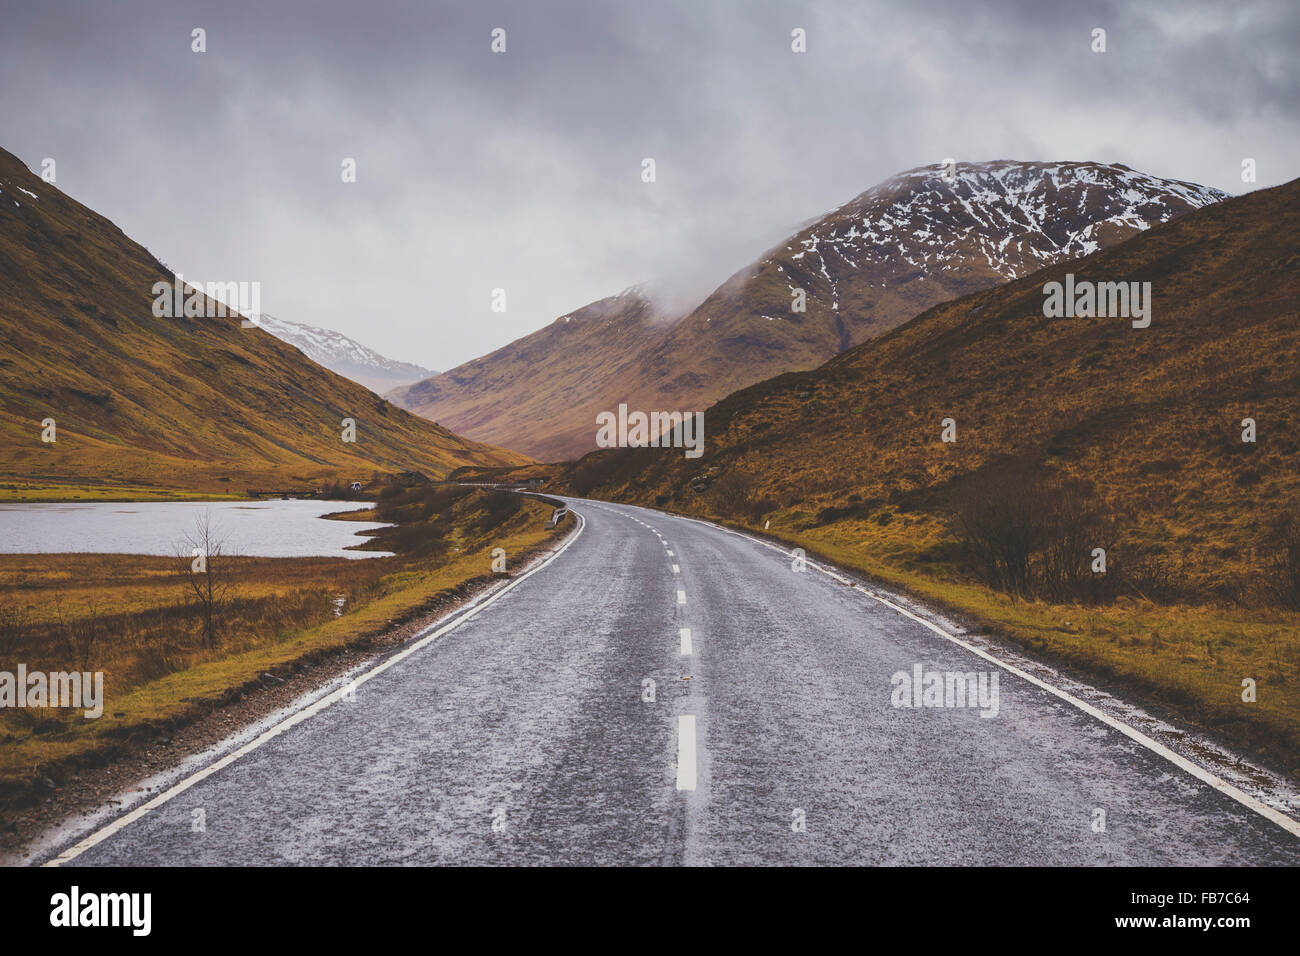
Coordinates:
[268,529]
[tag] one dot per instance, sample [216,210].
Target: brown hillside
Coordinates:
[140,402]
[537,392]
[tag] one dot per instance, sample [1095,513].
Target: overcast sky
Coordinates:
[522,170]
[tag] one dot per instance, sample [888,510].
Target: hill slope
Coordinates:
[919,239]
[1149,418]
[142,402]
[538,394]
[345,356]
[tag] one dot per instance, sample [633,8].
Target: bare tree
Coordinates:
[78,635]
[736,494]
[14,621]
[206,572]
[83,636]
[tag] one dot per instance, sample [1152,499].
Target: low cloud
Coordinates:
[523,170]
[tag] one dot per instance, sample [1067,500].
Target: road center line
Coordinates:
[681,597]
[687,647]
[686,752]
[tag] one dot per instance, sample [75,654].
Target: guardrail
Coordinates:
[556,516]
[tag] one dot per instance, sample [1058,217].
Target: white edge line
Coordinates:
[1200,773]
[293,720]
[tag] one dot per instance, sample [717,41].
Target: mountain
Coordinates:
[344,356]
[1148,421]
[899,248]
[554,373]
[147,402]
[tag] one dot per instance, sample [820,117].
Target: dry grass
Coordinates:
[1190,657]
[280,610]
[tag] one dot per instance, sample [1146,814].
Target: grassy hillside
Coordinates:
[144,404]
[1083,433]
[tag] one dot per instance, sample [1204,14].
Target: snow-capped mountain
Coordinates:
[1014,218]
[344,356]
[924,237]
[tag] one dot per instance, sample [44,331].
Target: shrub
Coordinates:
[735,495]
[14,620]
[1033,534]
[1282,572]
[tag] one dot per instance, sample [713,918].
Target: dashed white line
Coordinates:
[676,569]
[681,597]
[686,752]
[688,647]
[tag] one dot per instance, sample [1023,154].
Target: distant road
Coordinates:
[527,735]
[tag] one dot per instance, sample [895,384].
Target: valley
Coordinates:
[937,345]
[923,237]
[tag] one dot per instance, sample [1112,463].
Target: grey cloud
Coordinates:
[522,171]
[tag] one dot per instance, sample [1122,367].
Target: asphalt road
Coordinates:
[529,735]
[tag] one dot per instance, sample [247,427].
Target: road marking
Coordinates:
[686,752]
[681,597]
[676,569]
[687,647]
[1200,773]
[670,554]
[478,604]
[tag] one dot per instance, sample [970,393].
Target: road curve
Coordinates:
[547,729]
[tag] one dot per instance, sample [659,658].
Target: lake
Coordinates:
[268,529]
